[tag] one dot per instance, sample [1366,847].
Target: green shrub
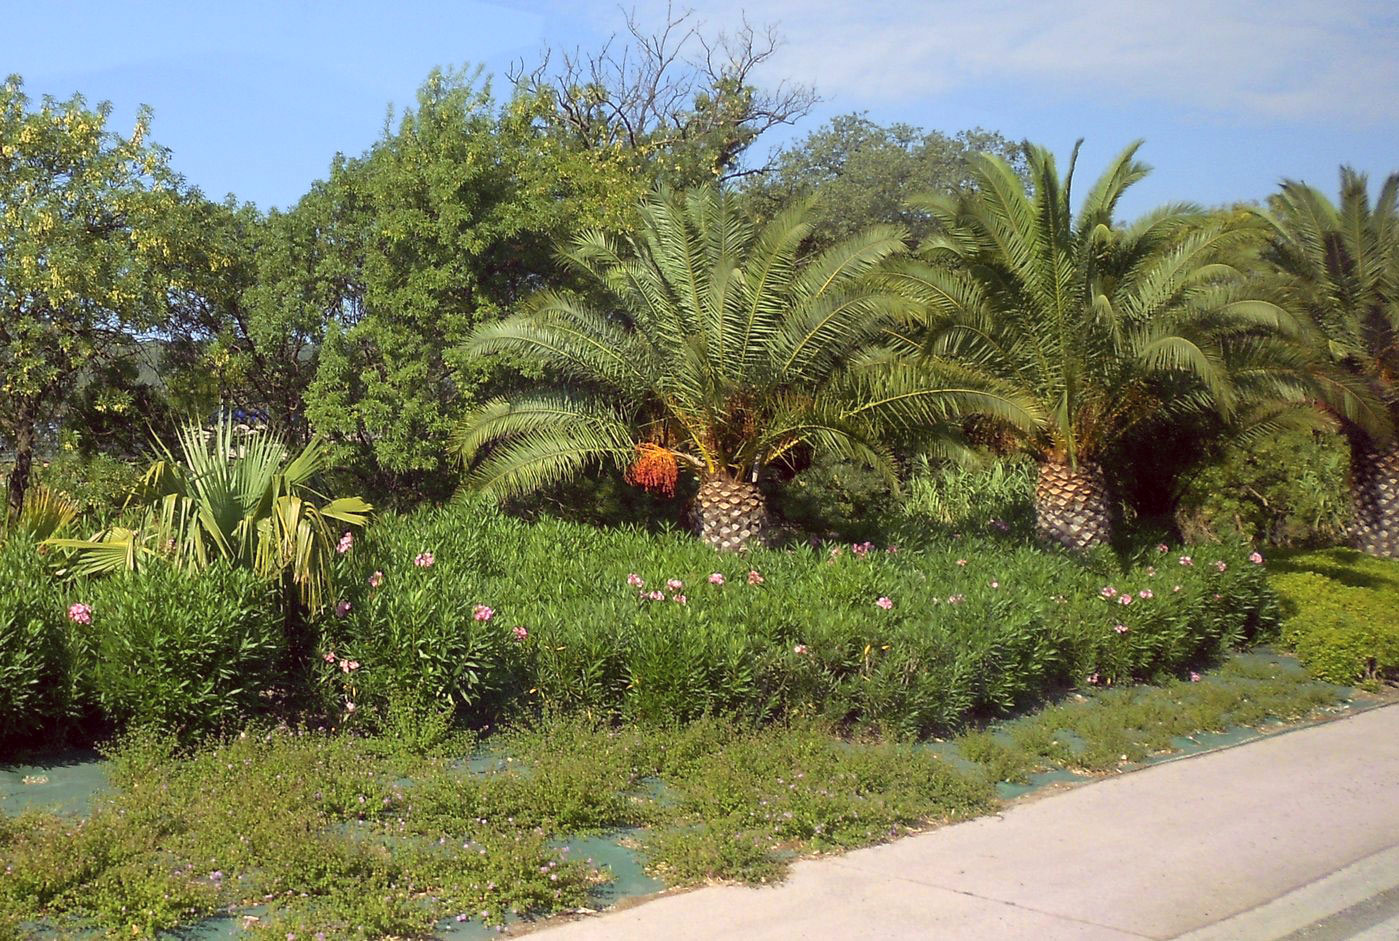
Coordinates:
[976,626]
[1289,490]
[952,498]
[185,654]
[36,691]
[1341,613]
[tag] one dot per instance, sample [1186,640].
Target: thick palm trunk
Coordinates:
[1072,507]
[1374,493]
[730,515]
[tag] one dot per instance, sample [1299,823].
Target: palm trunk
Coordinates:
[730,514]
[24,457]
[1072,506]
[1374,493]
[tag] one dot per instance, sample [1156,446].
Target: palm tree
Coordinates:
[718,350]
[245,501]
[1098,325]
[1339,267]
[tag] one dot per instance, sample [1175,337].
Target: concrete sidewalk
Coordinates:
[1296,835]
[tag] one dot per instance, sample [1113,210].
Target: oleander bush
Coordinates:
[36,655]
[1341,614]
[185,655]
[477,613]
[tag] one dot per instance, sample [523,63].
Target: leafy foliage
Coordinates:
[243,500]
[1339,607]
[81,253]
[1100,325]
[804,636]
[1340,269]
[184,656]
[37,658]
[728,351]
[1283,490]
[859,173]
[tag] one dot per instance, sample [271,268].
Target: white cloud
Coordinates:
[1297,60]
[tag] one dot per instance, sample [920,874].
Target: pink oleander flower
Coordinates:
[962,562]
[678,599]
[656,595]
[1194,677]
[1256,558]
[892,550]
[482,612]
[1186,560]
[1093,679]
[635,580]
[1163,548]
[1107,591]
[1220,565]
[675,584]
[349,707]
[754,578]
[424,560]
[995,584]
[1120,628]
[346,542]
[342,609]
[885,602]
[956,599]
[519,632]
[861,549]
[1124,599]
[801,649]
[79,613]
[1146,594]
[716,578]
[328,656]
[349,666]
[376,579]
[1151,571]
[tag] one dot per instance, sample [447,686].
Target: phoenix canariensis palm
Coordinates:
[1099,325]
[241,499]
[1339,269]
[719,351]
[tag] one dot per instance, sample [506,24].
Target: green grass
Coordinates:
[377,836]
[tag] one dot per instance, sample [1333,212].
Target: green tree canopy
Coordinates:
[1100,325]
[82,254]
[861,173]
[1338,266]
[717,350]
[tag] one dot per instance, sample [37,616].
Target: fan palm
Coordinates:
[243,500]
[720,351]
[1339,267]
[1100,326]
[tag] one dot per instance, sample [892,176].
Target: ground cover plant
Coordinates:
[310,833]
[1339,613]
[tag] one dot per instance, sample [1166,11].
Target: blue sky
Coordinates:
[255,98]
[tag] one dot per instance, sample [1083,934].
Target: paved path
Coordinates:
[1294,836]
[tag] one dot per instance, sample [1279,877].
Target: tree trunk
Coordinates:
[1072,507]
[24,457]
[1374,493]
[730,515]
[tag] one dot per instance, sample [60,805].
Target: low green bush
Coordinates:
[562,617]
[1289,490]
[36,657]
[183,654]
[1341,614]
